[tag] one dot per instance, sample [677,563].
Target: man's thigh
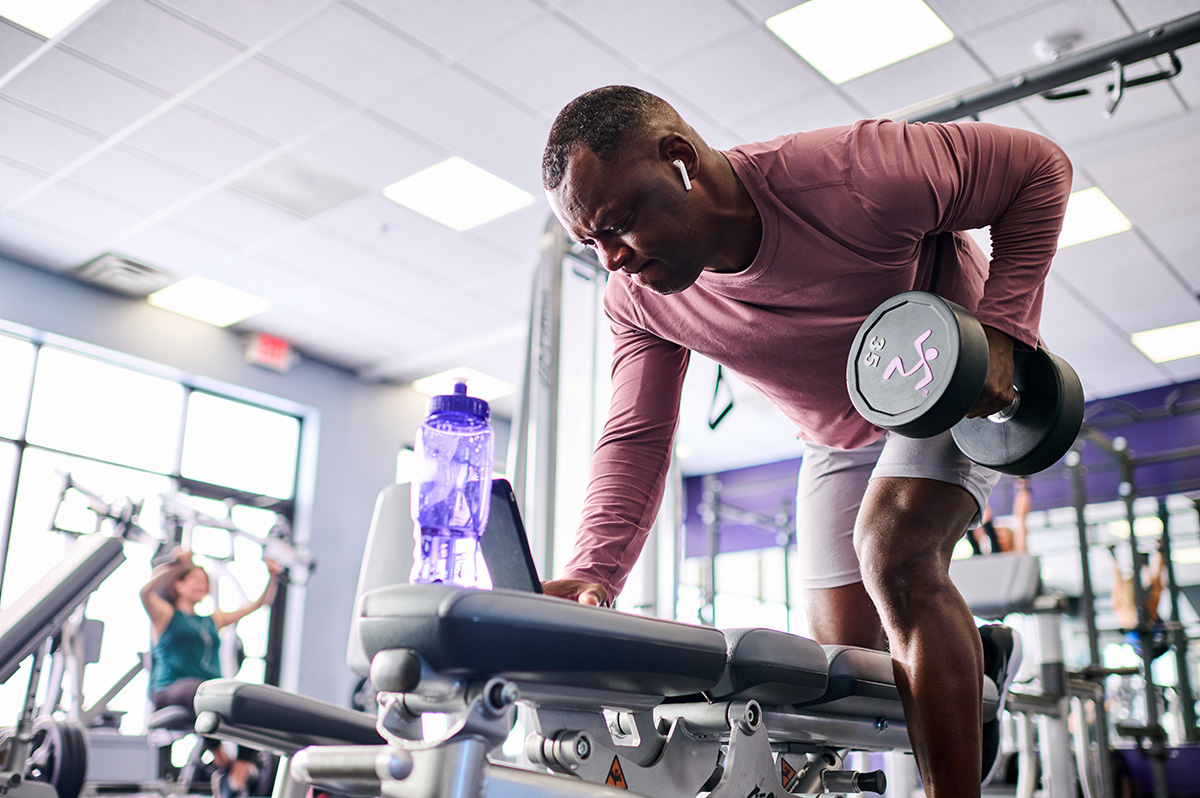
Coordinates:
[833,482]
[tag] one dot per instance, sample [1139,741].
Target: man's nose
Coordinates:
[613,255]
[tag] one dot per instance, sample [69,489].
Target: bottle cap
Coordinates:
[458,402]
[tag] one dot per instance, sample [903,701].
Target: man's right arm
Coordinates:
[628,467]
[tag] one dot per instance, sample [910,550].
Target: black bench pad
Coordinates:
[462,632]
[771,667]
[267,716]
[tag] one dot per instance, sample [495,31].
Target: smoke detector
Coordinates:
[123,276]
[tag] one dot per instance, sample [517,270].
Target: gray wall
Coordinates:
[361,428]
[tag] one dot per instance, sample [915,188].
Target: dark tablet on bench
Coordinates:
[505,547]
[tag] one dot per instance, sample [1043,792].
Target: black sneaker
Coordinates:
[1001,661]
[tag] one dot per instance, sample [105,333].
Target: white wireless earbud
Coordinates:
[687,181]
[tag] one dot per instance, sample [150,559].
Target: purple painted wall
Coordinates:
[1161,425]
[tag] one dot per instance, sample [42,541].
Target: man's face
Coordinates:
[634,213]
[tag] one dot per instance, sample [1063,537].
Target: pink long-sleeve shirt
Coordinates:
[850,216]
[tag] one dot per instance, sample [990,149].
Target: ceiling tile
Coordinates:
[1187,83]
[15,45]
[519,232]
[1009,47]
[1187,368]
[1178,240]
[458,27]
[368,151]
[28,137]
[451,108]
[1082,120]
[234,217]
[822,108]
[74,90]
[382,225]
[515,154]
[173,248]
[1134,152]
[1107,363]
[81,214]
[653,32]
[1122,275]
[197,143]
[33,242]
[378,58]
[726,79]
[765,9]
[528,64]
[342,262]
[15,181]
[924,76]
[133,179]
[963,17]
[149,43]
[262,98]
[247,23]
[1147,13]
[1166,194]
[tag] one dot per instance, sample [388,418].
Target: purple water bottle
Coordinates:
[452,494]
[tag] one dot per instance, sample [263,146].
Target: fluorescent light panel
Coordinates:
[458,194]
[45,17]
[1169,343]
[1090,215]
[208,301]
[484,386]
[845,39]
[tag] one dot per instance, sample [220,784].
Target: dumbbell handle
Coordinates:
[1000,416]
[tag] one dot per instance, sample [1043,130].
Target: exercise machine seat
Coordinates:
[771,667]
[172,718]
[45,606]
[998,584]
[468,633]
[273,719]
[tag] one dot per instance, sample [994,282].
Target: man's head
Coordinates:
[609,171]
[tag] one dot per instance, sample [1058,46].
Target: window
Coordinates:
[240,446]
[137,439]
[86,406]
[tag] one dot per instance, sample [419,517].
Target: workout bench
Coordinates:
[612,704]
[617,704]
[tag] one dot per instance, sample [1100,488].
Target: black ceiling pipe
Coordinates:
[1161,39]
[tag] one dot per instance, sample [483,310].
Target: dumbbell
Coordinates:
[918,365]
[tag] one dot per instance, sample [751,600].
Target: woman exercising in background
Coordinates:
[186,646]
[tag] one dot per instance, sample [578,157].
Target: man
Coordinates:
[767,258]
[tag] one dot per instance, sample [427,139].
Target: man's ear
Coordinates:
[676,147]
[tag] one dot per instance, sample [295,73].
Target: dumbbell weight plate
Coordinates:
[1044,427]
[917,364]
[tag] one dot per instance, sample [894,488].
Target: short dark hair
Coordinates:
[603,120]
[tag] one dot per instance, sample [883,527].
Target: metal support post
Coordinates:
[1179,641]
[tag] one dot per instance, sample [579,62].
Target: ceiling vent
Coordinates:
[124,276]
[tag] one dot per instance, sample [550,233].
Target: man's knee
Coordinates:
[906,532]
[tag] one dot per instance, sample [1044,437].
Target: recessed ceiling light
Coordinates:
[1090,215]
[484,386]
[844,39]
[1169,343]
[458,194]
[44,17]
[209,301]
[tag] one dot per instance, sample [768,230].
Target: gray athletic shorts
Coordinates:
[831,487]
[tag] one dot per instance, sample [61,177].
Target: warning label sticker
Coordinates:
[786,772]
[616,778]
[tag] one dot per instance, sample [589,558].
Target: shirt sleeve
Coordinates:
[630,462]
[914,180]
